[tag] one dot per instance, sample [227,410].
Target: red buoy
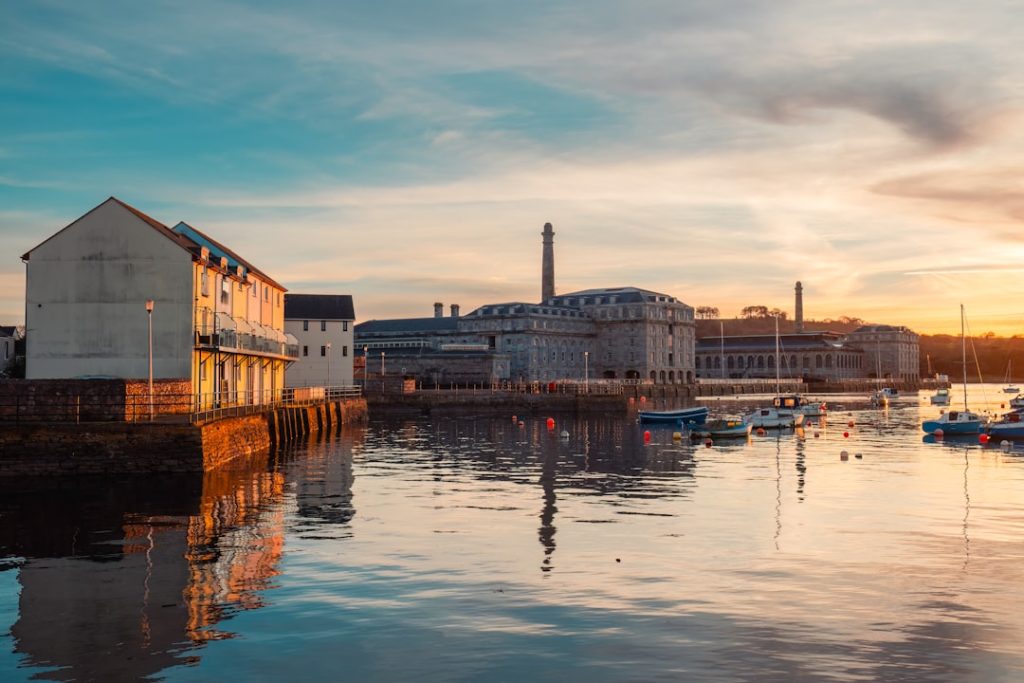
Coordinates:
[846,435]
[551,423]
[647,436]
[983,438]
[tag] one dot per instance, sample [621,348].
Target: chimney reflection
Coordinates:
[546,534]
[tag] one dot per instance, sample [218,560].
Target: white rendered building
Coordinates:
[324,324]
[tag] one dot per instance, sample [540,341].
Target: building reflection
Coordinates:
[122,579]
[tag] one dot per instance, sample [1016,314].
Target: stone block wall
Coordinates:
[90,400]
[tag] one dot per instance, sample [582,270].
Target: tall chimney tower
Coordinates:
[438,309]
[798,315]
[547,282]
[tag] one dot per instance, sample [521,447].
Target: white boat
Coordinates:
[773,418]
[1017,401]
[1009,388]
[940,397]
[778,416]
[957,421]
[798,404]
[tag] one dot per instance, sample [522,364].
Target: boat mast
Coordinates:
[721,338]
[963,353]
[778,390]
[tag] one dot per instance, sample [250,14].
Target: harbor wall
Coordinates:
[61,448]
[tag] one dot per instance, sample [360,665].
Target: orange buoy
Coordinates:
[709,443]
[850,423]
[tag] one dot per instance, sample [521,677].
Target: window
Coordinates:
[225,291]
[323,325]
[279,298]
[266,293]
[344,326]
[344,350]
[323,350]
[305,350]
[305,326]
[254,288]
[206,283]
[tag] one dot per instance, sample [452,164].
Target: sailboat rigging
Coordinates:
[957,421]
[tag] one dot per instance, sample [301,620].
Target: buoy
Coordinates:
[514,419]
[1005,444]
[1002,405]
[564,434]
[647,436]
[846,435]
[858,455]
[676,436]
[843,455]
[709,443]
[643,399]
[551,423]
[850,423]
[982,438]
[631,400]
[760,431]
[816,434]
[938,433]
[522,424]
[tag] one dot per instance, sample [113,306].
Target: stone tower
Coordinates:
[547,282]
[798,315]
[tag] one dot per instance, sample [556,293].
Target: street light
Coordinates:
[586,372]
[382,372]
[328,367]
[366,367]
[149,315]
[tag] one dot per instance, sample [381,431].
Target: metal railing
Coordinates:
[218,329]
[20,407]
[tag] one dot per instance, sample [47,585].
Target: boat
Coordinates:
[723,428]
[956,421]
[1009,388]
[1010,426]
[1017,401]
[940,397]
[684,417]
[797,403]
[775,417]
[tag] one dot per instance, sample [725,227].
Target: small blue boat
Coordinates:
[954,422]
[1011,426]
[684,417]
[725,428]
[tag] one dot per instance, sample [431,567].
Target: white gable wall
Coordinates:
[85,300]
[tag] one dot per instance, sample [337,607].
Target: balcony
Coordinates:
[220,331]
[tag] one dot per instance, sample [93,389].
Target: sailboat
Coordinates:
[956,421]
[1009,388]
[777,416]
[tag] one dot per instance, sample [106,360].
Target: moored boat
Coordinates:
[723,428]
[954,422]
[1010,426]
[797,403]
[773,418]
[1017,401]
[685,416]
[940,397]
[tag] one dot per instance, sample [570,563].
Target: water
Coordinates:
[476,550]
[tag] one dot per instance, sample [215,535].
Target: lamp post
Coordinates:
[366,368]
[328,367]
[149,316]
[586,372]
[382,372]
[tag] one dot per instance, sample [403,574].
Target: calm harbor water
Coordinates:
[473,549]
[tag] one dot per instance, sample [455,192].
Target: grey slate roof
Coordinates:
[447,324]
[319,307]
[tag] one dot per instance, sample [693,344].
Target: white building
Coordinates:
[324,324]
[6,345]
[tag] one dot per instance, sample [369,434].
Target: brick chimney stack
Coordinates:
[798,315]
[438,309]
[547,282]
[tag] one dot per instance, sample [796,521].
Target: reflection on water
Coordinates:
[478,549]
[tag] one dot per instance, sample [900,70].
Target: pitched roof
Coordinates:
[201,239]
[319,307]
[180,240]
[408,325]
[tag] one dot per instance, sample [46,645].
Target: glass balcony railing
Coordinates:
[220,330]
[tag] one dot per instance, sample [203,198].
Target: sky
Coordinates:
[408,152]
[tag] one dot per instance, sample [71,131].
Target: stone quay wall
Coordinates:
[62,448]
[90,400]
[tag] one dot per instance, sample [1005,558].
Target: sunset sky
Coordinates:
[410,152]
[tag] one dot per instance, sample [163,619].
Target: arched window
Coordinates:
[696,363]
[760,362]
[718,363]
[671,377]
[730,363]
[817,360]
[654,376]
[771,361]
[750,361]
[792,361]
[828,361]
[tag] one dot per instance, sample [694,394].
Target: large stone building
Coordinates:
[892,351]
[217,320]
[622,333]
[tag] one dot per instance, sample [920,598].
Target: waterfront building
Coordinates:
[892,351]
[217,320]
[813,356]
[6,345]
[621,333]
[324,325]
